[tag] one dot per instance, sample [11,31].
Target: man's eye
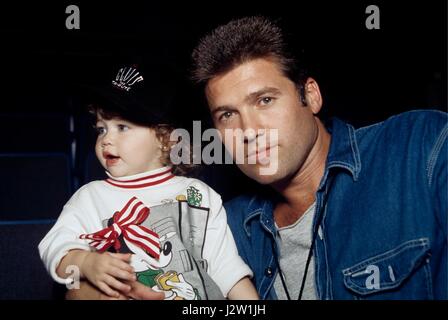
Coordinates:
[100,130]
[225,116]
[266,100]
[123,127]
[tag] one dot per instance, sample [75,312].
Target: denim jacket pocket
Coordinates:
[406,265]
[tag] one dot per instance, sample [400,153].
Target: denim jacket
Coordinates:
[383,230]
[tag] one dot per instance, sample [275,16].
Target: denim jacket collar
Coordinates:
[343,153]
[262,208]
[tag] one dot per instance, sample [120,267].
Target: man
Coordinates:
[352,214]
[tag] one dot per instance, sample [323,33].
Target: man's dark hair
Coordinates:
[243,40]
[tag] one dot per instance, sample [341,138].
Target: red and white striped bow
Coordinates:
[127,223]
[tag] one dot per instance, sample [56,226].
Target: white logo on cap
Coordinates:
[126,78]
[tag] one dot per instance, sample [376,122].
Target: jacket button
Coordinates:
[268,272]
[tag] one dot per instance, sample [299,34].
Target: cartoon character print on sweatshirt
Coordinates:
[194,196]
[150,272]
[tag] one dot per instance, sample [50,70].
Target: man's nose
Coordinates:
[251,126]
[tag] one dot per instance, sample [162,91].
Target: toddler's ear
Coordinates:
[164,148]
[167,146]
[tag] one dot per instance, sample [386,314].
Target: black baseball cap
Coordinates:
[140,93]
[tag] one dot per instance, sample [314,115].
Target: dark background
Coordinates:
[46,141]
[365,75]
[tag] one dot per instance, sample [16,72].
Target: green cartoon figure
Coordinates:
[194,197]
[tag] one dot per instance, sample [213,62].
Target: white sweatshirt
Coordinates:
[97,201]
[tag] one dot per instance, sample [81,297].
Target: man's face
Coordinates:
[257,95]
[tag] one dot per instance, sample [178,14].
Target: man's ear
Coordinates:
[312,95]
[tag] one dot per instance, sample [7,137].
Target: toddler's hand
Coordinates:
[104,269]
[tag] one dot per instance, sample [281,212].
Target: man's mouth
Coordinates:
[259,154]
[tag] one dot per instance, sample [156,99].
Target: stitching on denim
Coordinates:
[358,157]
[269,288]
[369,126]
[261,285]
[252,214]
[424,242]
[249,217]
[400,114]
[435,154]
[355,151]
[389,254]
[328,290]
[329,282]
[384,285]
[411,111]
[251,200]
[267,229]
[316,274]
[424,111]
[428,281]
[343,165]
[316,253]
[265,278]
[391,285]
[317,271]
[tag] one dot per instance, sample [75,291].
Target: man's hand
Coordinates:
[138,291]
[141,292]
[87,291]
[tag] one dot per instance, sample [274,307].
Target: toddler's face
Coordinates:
[124,148]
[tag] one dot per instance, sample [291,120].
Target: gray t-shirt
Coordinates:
[294,244]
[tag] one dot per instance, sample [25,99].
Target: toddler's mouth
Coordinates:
[111,159]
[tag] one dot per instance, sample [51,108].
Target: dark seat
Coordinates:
[34,186]
[22,273]
[35,132]
[93,169]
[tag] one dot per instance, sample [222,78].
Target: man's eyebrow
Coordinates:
[221,109]
[249,98]
[266,90]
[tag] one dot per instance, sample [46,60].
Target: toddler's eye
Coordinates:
[100,130]
[123,127]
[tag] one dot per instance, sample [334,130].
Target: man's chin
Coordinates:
[262,175]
